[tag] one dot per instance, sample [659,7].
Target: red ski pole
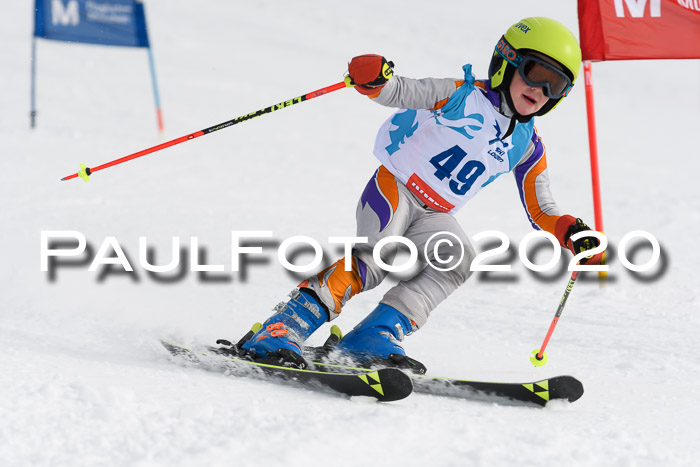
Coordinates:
[85,171]
[538,356]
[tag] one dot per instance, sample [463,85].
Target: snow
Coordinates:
[83,380]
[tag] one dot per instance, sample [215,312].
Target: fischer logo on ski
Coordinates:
[540,388]
[375,383]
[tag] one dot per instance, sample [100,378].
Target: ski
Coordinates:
[533,393]
[537,392]
[385,385]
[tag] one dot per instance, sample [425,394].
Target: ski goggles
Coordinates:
[536,72]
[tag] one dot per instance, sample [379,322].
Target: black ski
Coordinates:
[534,393]
[538,392]
[388,384]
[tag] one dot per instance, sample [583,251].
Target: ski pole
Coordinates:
[85,171]
[538,356]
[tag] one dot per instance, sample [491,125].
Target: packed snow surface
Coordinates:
[83,380]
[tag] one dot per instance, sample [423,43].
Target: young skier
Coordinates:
[450,139]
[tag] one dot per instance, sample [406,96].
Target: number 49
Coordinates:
[447,161]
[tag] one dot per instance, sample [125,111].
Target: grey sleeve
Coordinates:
[407,93]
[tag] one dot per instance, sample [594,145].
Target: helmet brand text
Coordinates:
[523,27]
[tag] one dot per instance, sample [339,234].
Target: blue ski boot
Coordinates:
[375,341]
[279,339]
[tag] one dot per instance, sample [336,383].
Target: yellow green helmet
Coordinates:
[543,35]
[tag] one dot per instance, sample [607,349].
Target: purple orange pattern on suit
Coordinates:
[526,177]
[362,267]
[379,201]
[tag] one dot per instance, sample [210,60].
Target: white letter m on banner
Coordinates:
[637,7]
[65,16]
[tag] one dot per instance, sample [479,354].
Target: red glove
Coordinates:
[567,226]
[369,73]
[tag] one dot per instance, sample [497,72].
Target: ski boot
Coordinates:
[278,340]
[375,341]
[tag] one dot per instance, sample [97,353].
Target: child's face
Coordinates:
[526,99]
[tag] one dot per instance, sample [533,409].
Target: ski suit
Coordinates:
[450,139]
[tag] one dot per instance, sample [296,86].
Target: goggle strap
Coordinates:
[508,53]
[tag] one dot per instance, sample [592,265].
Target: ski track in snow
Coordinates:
[83,380]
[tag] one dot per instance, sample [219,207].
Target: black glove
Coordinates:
[583,243]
